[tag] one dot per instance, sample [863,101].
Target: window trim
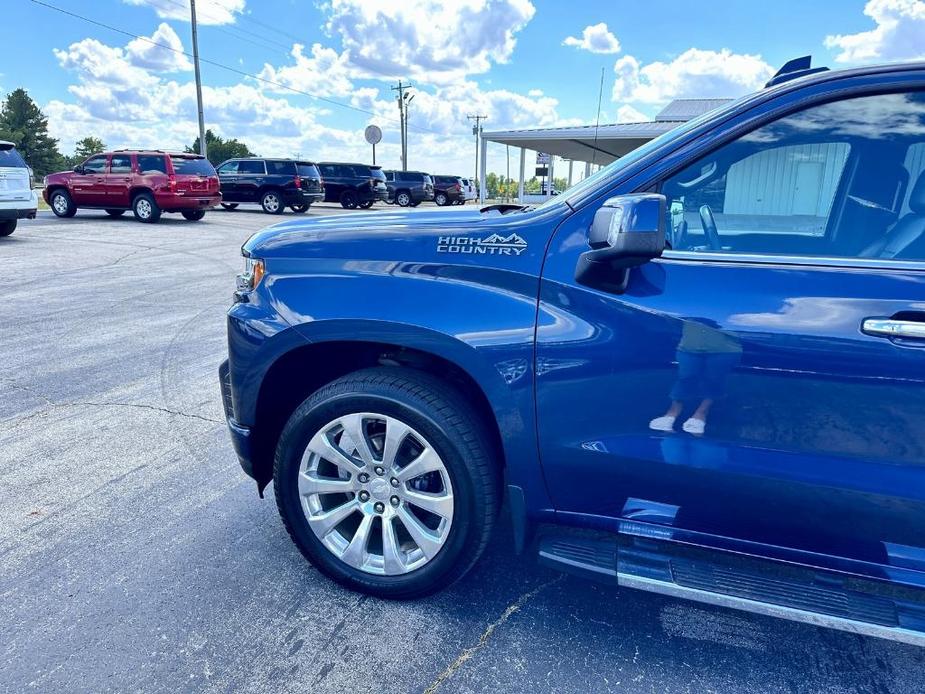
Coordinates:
[740,130]
[826,262]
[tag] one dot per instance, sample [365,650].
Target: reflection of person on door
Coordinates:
[705,357]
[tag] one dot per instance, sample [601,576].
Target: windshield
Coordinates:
[9,157]
[376,173]
[192,166]
[589,183]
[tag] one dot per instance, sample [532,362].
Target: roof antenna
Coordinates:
[597,124]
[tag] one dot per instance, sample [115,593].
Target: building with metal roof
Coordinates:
[594,144]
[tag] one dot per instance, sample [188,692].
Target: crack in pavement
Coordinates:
[467,653]
[54,405]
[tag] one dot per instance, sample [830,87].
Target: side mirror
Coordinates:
[627,231]
[78,169]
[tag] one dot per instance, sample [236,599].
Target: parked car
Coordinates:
[448,190]
[273,183]
[409,188]
[353,185]
[470,191]
[722,401]
[148,182]
[17,199]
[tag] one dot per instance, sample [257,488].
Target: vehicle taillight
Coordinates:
[172,182]
[298,182]
[458,188]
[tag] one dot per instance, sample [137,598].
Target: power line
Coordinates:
[215,63]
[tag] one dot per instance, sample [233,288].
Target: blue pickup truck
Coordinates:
[699,372]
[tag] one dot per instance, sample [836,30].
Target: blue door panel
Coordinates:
[816,440]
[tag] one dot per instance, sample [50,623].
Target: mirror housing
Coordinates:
[627,231]
[79,169]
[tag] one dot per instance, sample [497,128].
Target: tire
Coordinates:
[7,227]
[145,208]
[62,204]
[440,199]
[415,204]
[403,198]
[272,202]
[440,418]
[115,213]
[193,215]
[301,208]
[367,204]
[230,205]
[348,200]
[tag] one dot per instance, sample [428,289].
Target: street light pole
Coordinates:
[202,123]
[477,131]
[403,101]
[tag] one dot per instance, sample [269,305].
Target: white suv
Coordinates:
[17,199]
[469,190]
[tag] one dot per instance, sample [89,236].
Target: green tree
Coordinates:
[22,122]
[219,149]
[560,184]
[493,185]
[84,149]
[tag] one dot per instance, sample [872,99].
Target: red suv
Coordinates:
[147,182]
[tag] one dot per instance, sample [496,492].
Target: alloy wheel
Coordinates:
[60,204]
[270,202]
[376,494]
[143,208]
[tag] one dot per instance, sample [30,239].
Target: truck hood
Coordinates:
[387,234]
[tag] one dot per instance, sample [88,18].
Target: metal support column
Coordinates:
[520,182]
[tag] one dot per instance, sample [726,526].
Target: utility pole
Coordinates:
[202,123]
[404,99]
[477,131]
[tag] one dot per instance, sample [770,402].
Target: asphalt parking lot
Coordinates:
[135,554]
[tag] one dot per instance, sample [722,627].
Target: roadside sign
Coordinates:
[373,134]
[542,158]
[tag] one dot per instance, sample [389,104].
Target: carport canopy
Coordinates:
[599,145]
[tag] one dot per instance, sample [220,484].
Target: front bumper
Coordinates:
[240,435]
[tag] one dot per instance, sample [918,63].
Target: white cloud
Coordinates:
[211,12]
[166,56]
[694,73]
[899,34]
[596,39]
[629,114]
[430,41]
[324,73]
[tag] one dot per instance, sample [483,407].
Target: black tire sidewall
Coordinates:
[280,206]
[463,540]
[7,227]
[71,208]
[349,200]
[193,215]
[155,210]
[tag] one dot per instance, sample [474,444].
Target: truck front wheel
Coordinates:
[386,482]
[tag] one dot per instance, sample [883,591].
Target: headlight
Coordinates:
[248,280]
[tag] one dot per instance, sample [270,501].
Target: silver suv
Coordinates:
[17,199]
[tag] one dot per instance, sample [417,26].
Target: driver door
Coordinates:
[746,391]
[88,188]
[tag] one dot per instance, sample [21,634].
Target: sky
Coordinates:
[305,77]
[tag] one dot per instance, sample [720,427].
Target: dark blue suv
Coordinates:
[699,372]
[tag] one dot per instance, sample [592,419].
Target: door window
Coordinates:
[229,167]
[833,180]
[120,164]
[251,166]
[281,167]
[95,165]
[151,164]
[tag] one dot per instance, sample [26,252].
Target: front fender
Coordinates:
[480,319]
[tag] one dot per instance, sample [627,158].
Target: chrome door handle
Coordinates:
[890,327]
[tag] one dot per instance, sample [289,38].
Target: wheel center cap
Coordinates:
[379,489]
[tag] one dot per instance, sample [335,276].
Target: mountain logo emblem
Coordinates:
[495,244]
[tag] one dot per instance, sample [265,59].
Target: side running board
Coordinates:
[822,598]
